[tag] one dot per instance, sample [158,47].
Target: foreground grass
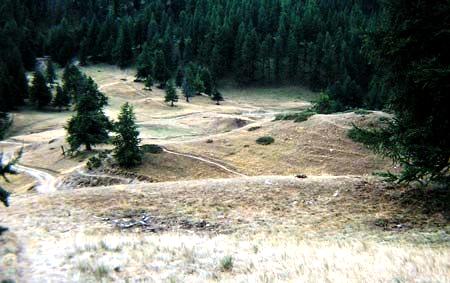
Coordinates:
[227,258]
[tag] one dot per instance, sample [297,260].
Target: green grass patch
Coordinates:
[297,117]
[152,148]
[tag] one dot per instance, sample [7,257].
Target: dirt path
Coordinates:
[46,182]
[205,161]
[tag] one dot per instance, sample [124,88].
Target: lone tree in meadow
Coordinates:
[217,96]
[50,72]
[188,90]
[89,126]
[61,99]
[127,152]
[171,93]
[39,92]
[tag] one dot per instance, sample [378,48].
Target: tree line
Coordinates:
[316,43]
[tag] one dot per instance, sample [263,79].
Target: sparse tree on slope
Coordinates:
[89,126]
[50,72]
[160,68]
[217,96]
[127,152]
[61,99]
[39,91]
[171,93]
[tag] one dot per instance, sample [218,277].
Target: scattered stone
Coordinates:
[301,176]
[209,141]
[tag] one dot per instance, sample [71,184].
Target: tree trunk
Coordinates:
[171,105]
[88,147]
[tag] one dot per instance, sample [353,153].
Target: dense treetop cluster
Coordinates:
[317,43]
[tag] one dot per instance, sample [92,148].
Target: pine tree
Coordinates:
[145,62]
[188,90]
[127,152]
[217,96]
[50,72]
[205,76]
[198,85]
[149,82]
[171,93]
[123,53]
[160,69]
[61,99]
[72,78]
[410,49]
[39,91]
[89,126]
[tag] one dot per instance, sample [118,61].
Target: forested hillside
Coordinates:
[316,43]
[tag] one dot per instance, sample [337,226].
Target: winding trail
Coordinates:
[205,161]
[46,182]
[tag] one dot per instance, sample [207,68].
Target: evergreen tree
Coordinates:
[89,126]
[198,85]
[188,90]
[61,99]
[72,79]
[149,82]
[50,72]
[145,62]
[411,49]
[171,93]
[39,91]
[123,53]
[127,152]
[206,78]
[217,96]
[160,69]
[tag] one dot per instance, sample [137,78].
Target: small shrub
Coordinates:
[362,112]
[326,105]
[265,140]
[252,129]
[226,263]
[152,148]
[94,162]
[297,117]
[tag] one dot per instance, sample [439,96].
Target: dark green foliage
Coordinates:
[217,96]
[411,53]
[160,71]
[313,43]
[152,148]
[265,140]
[127,152]
[171,93]
[123,53]
[188,90]
[94,162]
[326,105]
[149,82]
[89,126]
[297,117]
[4,170]
[72,80]
[61,99]
[40,94]
[50,73]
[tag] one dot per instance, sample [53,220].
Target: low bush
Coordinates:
[297,117]
[265,140]
[252,129]
[94,162]
[152,148]
[226,263]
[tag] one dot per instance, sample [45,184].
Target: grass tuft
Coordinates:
[226,263]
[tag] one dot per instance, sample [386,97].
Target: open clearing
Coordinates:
[216,206]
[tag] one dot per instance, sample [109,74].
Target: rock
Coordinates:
[301,176]
[209,141]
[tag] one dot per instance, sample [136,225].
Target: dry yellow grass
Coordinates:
[212,225]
